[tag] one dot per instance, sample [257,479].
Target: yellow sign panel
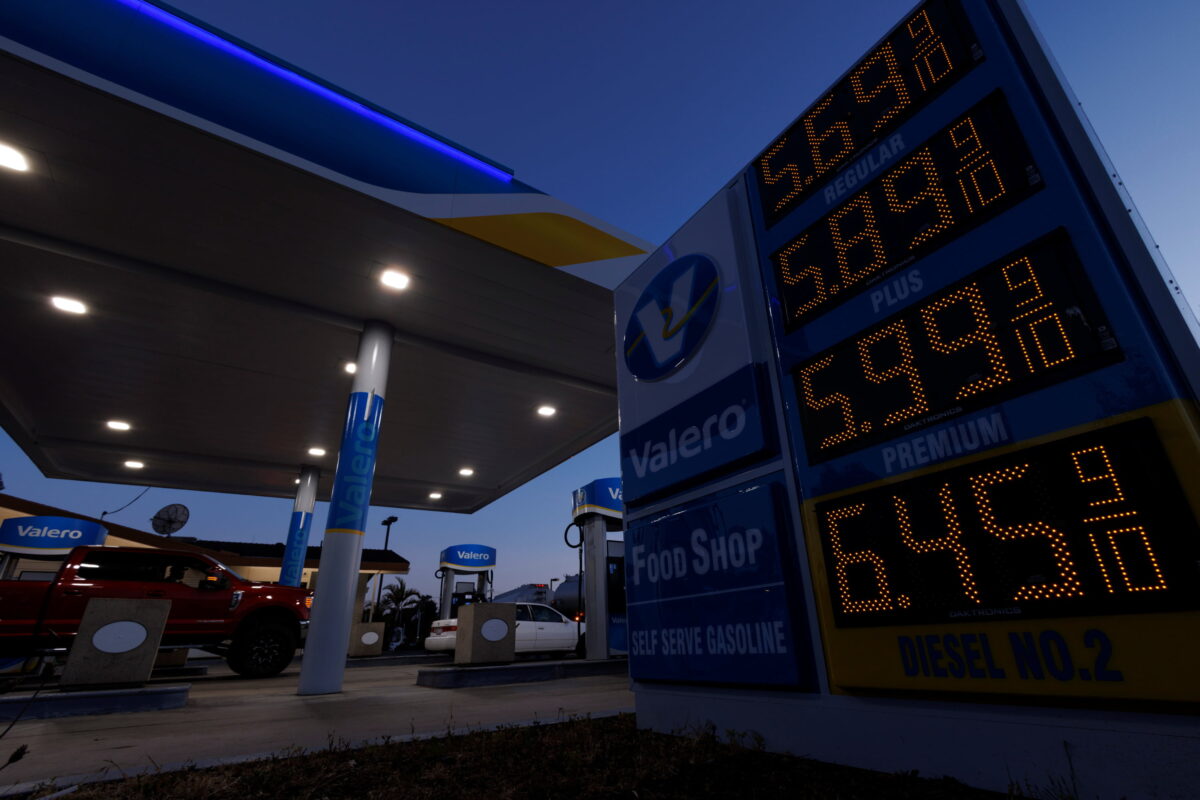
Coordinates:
[1065,566]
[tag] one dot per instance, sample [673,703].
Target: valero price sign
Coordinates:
[986,386]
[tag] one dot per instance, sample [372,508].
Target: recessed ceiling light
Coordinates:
[12,158]
[466,472]
[547,411]
[297,481]
[68,304]
[134,464]
[350,367]
[316,451]
[118,425]
[435,495]
[394,279]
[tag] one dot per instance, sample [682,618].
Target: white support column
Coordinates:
[324,661]
[595,587]
[448,577]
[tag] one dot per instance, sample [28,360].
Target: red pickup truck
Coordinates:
[255,626]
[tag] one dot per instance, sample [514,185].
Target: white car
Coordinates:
[540,629]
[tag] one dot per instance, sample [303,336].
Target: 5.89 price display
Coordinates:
[1023,323]
[926,54]
[1094,524]
[968,172]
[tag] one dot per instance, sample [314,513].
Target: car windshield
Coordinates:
[232,572]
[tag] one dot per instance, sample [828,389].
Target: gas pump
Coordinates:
[466,574]
[597,509]
[467,593]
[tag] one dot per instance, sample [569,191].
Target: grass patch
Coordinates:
[583,758]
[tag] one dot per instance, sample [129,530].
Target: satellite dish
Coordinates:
[170,518]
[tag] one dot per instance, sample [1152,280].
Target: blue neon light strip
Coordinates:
[199,33]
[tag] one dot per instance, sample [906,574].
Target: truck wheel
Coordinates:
[262,649]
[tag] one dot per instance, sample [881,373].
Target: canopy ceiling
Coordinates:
[226,290]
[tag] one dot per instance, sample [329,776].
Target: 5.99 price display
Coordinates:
[1094,524]
[926,54]
[968,172]
[1023,323]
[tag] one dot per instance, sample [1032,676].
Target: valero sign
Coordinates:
[469,558]
[672,317]
[601,497]
[48,536]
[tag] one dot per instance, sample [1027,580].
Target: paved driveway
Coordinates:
[229,718]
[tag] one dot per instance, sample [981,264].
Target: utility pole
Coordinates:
[387,535]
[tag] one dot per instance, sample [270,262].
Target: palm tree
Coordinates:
[392,598]
[394,594]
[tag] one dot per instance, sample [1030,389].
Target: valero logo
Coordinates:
[671,317]
[48,535]
[469,558]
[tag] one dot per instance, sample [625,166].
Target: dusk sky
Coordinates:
[637,112]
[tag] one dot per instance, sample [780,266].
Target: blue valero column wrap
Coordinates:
[356,466]
[296,550]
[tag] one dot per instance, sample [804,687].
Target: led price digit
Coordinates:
[1068,583]
[981,335]
[951,542]
[842,560]
[1096,456]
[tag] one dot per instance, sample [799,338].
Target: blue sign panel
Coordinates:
[469,558]
[691,374]
[715,428]
[47,536]
[706,595]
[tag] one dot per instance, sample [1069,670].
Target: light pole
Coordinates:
[387,535]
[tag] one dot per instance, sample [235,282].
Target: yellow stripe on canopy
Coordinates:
[555,240]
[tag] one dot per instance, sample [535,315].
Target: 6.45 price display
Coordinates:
[1015,326]
[1094,524]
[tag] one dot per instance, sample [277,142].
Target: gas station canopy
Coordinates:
[226,282]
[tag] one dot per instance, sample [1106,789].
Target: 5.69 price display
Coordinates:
[924,55]
[968,172]
[1023,323]
[1094,524]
